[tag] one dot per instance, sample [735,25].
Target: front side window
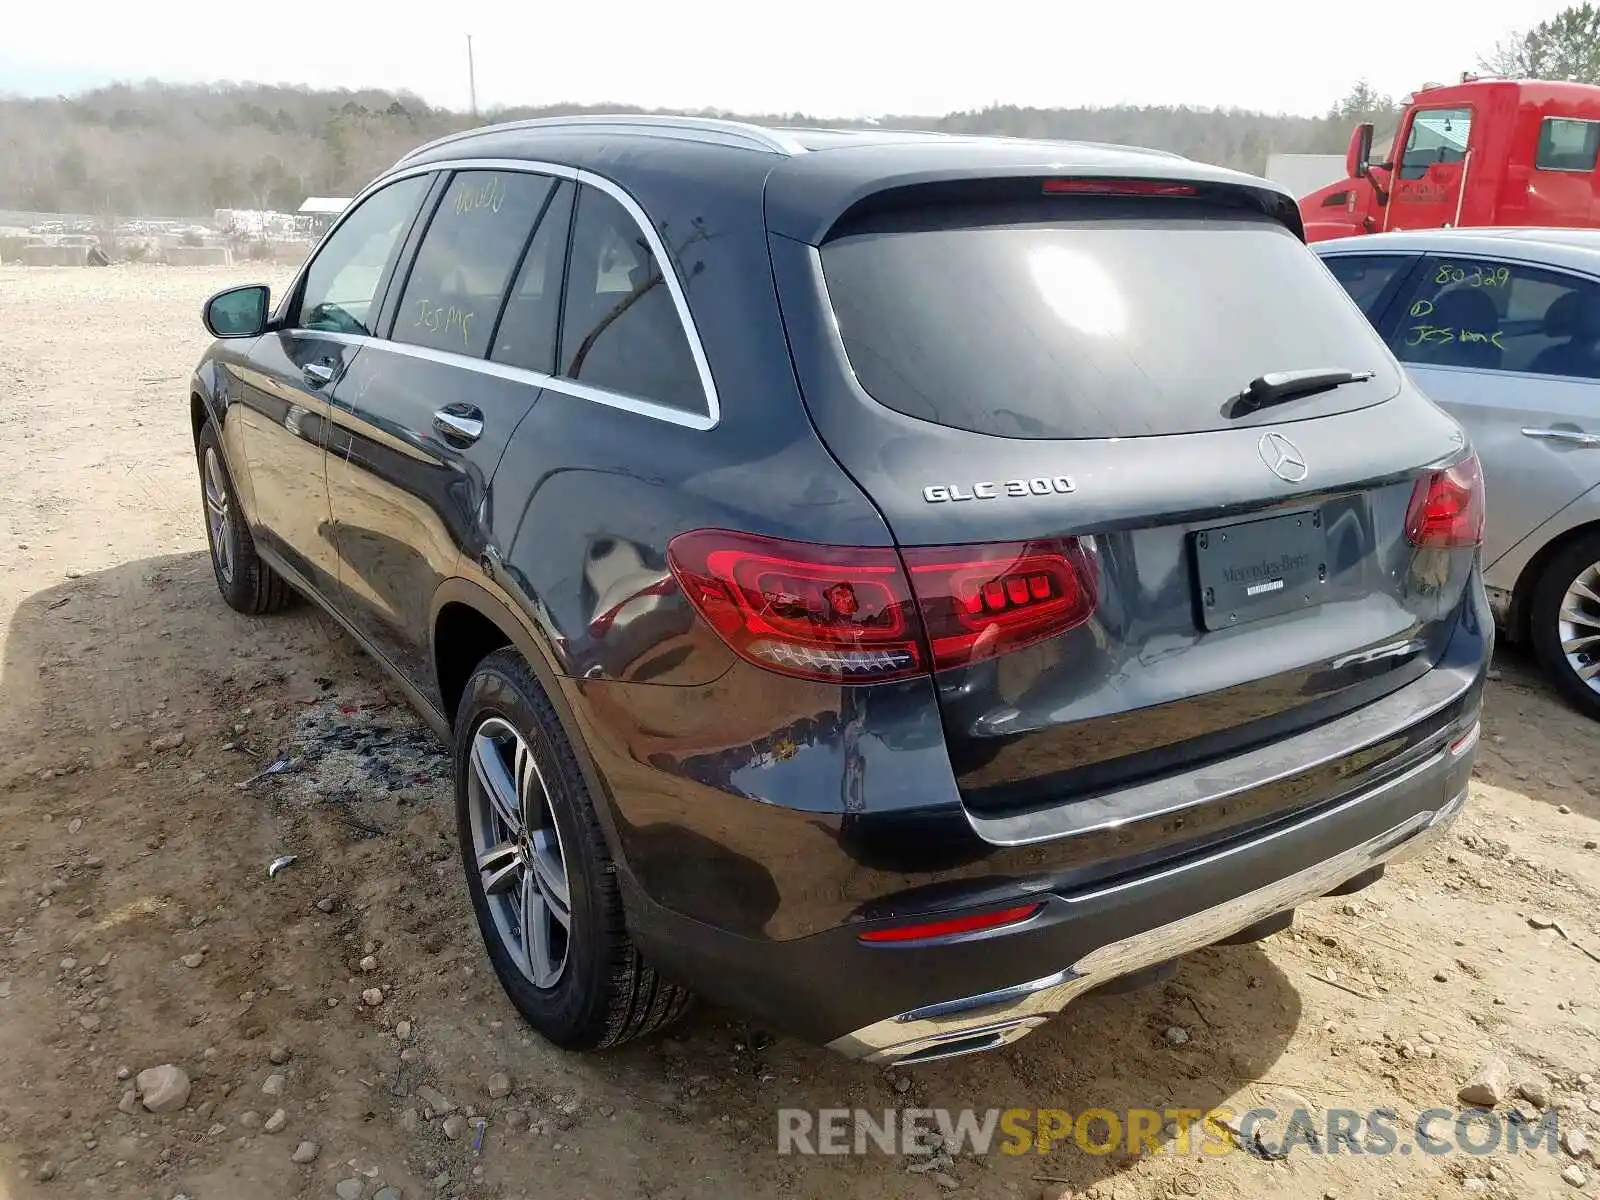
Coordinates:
[1438,135]
[1497,316]
[472,245]
[1567,145]
[340,292]
[1366,277]
[620,329]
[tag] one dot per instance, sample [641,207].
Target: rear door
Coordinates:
[1512,351]
[1020,373]
[421,418]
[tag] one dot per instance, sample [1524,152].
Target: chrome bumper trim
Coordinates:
[982,1022]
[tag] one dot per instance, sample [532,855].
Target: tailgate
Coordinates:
[1030,373]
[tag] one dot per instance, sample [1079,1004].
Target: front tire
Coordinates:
[246,583]
[1565,620]
[540,874]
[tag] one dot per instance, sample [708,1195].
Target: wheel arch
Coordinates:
[467,623]
[1519,617]
[199,414]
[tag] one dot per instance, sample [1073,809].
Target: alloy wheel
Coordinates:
[1578,626]
[217,522]
[517,849]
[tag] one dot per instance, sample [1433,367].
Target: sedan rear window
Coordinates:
[1117,320]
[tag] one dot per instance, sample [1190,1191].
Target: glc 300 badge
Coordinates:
[1043,485]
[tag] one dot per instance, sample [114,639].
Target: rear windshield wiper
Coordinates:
[1277,387]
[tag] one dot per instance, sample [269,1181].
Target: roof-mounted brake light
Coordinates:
[1118,187]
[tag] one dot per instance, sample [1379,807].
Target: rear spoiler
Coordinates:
[807,197]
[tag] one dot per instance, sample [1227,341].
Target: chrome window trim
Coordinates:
[707,419]
[484,366]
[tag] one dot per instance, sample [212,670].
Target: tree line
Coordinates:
[158,149]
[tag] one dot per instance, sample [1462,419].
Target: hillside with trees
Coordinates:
[155,149]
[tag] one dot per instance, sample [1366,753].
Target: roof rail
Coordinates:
[710,129]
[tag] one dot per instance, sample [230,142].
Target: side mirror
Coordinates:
[1358,158]
[238,312]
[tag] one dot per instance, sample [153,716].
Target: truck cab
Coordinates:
[1481,152]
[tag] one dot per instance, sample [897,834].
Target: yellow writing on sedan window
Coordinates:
[1474,275]
[486,196]
[442,318]
[1443,335]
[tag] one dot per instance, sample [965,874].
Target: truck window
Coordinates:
[1499,316]
[1567,145]
[1438,135]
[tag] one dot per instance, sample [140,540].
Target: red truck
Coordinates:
[1479,152]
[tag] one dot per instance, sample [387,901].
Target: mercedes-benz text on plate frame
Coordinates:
[1043,485]
[1283,457]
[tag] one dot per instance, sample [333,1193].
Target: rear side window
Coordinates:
[1366,277]
[1499,316]
[1120,320]
[461,270]
[527,333]
[621,330]
[1567,145]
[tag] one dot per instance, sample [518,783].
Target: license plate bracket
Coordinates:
[1258,569]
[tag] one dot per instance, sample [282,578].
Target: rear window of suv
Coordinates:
[1113,319]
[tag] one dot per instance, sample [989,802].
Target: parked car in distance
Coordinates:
[973,569]
[1502,328]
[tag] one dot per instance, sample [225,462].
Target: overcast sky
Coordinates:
[826,57]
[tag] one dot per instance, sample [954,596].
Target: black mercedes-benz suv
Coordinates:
[888,583]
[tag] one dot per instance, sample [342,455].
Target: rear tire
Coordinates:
[247,584]
[541,877]
[1564,620]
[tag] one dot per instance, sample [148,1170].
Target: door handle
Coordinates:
[318,374]
[459,422]
[1570,437]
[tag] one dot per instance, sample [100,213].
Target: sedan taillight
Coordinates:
[854,614]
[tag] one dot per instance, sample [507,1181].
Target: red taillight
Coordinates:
[1446,511]
[835,613]
[855,615]
[952,925]
[1118,187]
[979,601]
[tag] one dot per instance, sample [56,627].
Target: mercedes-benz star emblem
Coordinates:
[1283,457]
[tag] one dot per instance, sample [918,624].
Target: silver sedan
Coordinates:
[1501,327]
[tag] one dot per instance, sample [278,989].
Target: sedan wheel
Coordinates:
[519,854]
[1564,622]
[1579,626]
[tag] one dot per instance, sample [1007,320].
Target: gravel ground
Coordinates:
[173,1021]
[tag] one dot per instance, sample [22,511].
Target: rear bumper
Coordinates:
[970,992]
[760,905]
[990,1019]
